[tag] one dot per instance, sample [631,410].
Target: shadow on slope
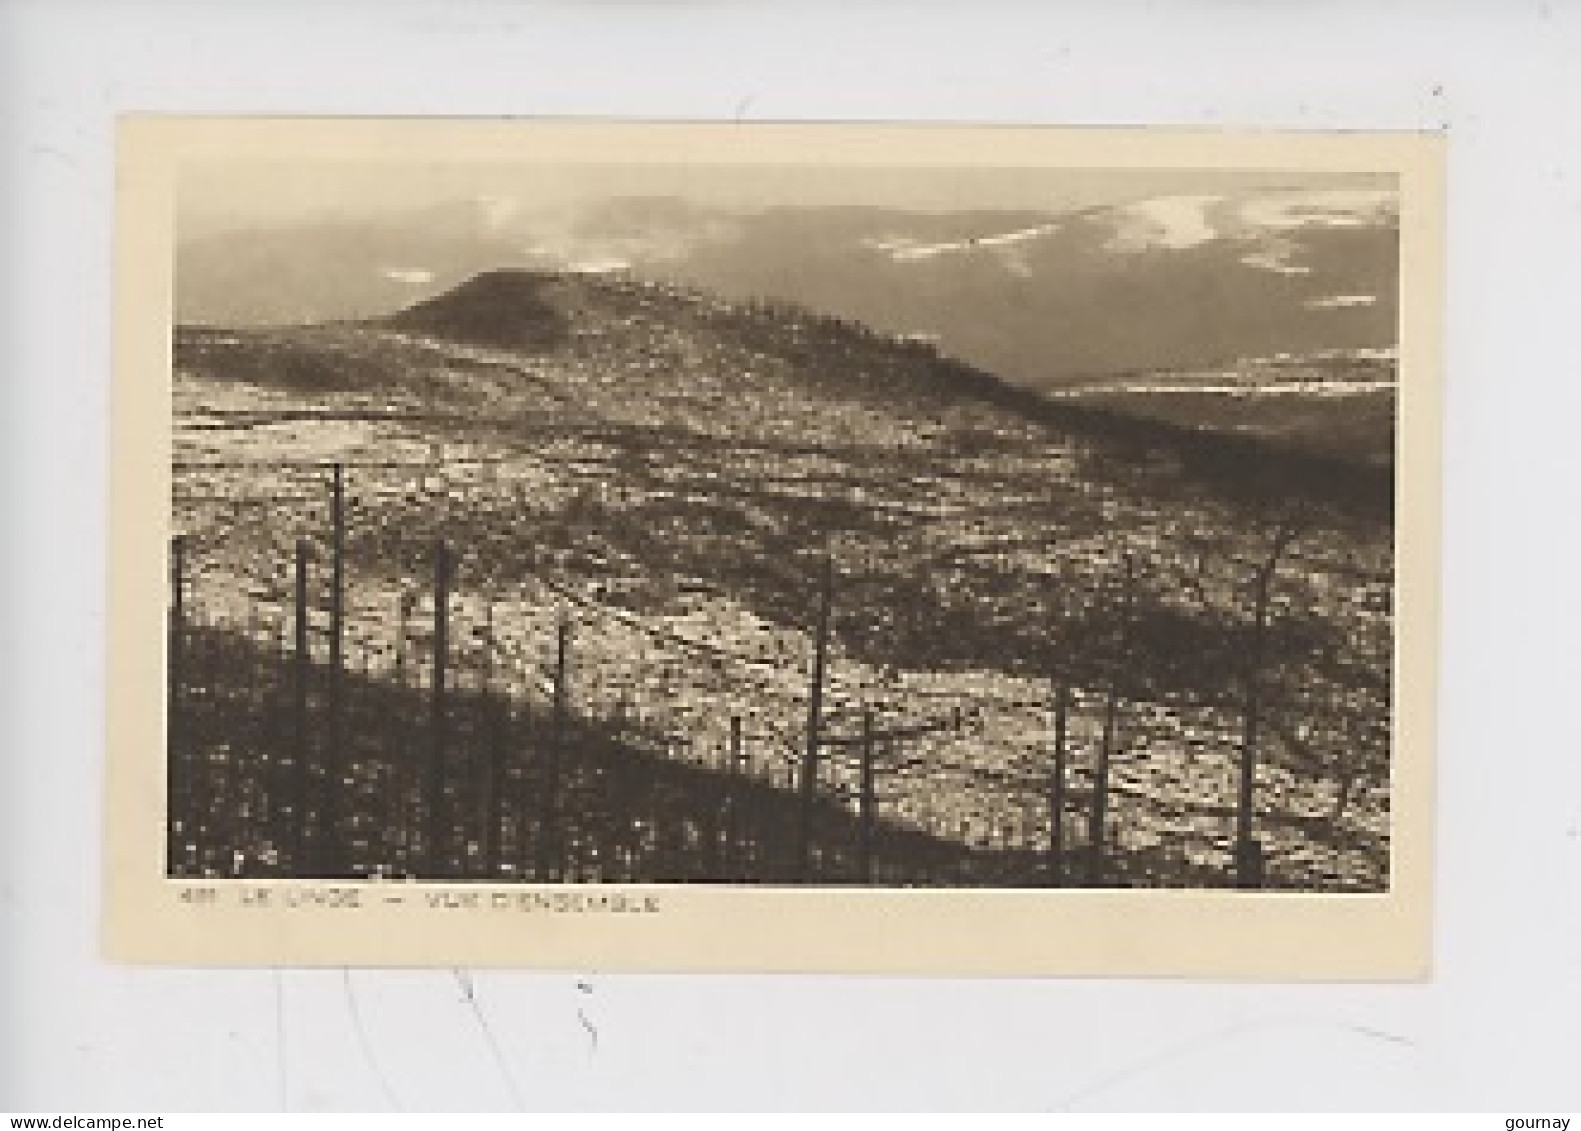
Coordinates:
[252,796]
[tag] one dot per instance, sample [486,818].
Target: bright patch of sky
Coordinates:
[1340,302]
[1334,208]
[1170,222]
[904,248]
[1276,258]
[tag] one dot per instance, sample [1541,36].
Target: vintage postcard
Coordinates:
[906,549]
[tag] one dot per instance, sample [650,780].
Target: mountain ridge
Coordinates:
[658,332]
[1041,298]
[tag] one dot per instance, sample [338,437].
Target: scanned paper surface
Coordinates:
[778,547]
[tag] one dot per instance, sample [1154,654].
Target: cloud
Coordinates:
[904,249]
[416,276]
[1275,257]
[1173,223]
[496,211]
[1326,208]
[1339,302]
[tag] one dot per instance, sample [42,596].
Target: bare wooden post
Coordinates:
[394,726]
[301,670]
[178,760]
[258,755]
[279,716]
[548,824]
[403,634]
[178,636]
[1057,787]
[525,733]
[178,619]
[330,849]
[498,702]
[1097,832]
[868,801]
[398,745]
[1248,850]
[437,837]
[809,760]
[733,770]
[710,818]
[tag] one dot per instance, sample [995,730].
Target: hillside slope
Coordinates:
[672,468]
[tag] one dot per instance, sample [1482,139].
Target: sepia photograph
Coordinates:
[766,523]
[703,524]
[745,557]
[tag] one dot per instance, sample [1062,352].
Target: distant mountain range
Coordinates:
[1044,299]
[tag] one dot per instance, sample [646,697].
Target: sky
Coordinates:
[230,197]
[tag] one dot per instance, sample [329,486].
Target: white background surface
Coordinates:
[1499,1026]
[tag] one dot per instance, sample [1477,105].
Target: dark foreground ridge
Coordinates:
[527,797]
